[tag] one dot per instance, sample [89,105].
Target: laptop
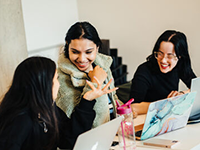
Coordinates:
[195,112]
[99,138]
[166,115]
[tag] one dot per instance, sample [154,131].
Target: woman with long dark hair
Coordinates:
[79,62]
[29,117]
[159,76]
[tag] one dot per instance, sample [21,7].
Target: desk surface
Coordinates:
[189,137]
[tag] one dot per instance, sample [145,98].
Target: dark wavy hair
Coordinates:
[179,40]
[31,89]
[81,30]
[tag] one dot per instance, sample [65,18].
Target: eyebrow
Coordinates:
[167,53]
[85,50]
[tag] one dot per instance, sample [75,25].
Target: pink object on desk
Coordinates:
[122,110]
[125,108]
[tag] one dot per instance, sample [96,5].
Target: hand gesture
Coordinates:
[99,73]
[97,92]
[175,93]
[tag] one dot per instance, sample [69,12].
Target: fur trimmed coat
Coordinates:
[73,86]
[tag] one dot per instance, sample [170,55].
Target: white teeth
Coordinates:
[84,63]
[164,65]
[81,63]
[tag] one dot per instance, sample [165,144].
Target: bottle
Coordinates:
[126,132]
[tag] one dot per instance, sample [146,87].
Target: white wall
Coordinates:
[133,26]
[46,23]
[12,41]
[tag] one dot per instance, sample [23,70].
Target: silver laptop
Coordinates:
[166,115]
[99,138]
[195,112]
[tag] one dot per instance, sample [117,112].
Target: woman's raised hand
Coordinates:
[97,92]
[99,73]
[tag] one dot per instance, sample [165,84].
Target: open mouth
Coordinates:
[82,65]
[164,66]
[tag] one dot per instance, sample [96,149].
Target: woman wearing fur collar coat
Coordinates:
[81,62]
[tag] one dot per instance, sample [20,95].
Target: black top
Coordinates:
[150,84]
[20,135]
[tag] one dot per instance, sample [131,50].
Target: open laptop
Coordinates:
[166,115]
[99,138]
[195,112]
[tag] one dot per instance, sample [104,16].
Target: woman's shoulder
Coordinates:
[103,61]
[144,67]
[65,65]
[21,125]
[17,131]
[24,118]
[62,59]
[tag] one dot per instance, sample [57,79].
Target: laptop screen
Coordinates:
[167,115]
[195,112]
[99,138]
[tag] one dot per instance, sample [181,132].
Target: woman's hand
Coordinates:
[99,73]
[175,93]
[97,92]
[139,108]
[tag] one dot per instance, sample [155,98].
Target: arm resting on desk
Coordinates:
[140,108]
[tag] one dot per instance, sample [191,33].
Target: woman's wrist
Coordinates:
[86,104]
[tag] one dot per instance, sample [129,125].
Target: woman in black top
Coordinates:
[158,77]
[29,117]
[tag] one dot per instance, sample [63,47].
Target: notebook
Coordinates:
[195,112]
[99,138]
[166,115]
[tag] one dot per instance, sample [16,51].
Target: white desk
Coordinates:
[188,136]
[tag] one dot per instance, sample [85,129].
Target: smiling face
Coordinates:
[167,59]
[82,53]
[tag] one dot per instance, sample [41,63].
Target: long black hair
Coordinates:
[81,30]
[179,40]
[31,88]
